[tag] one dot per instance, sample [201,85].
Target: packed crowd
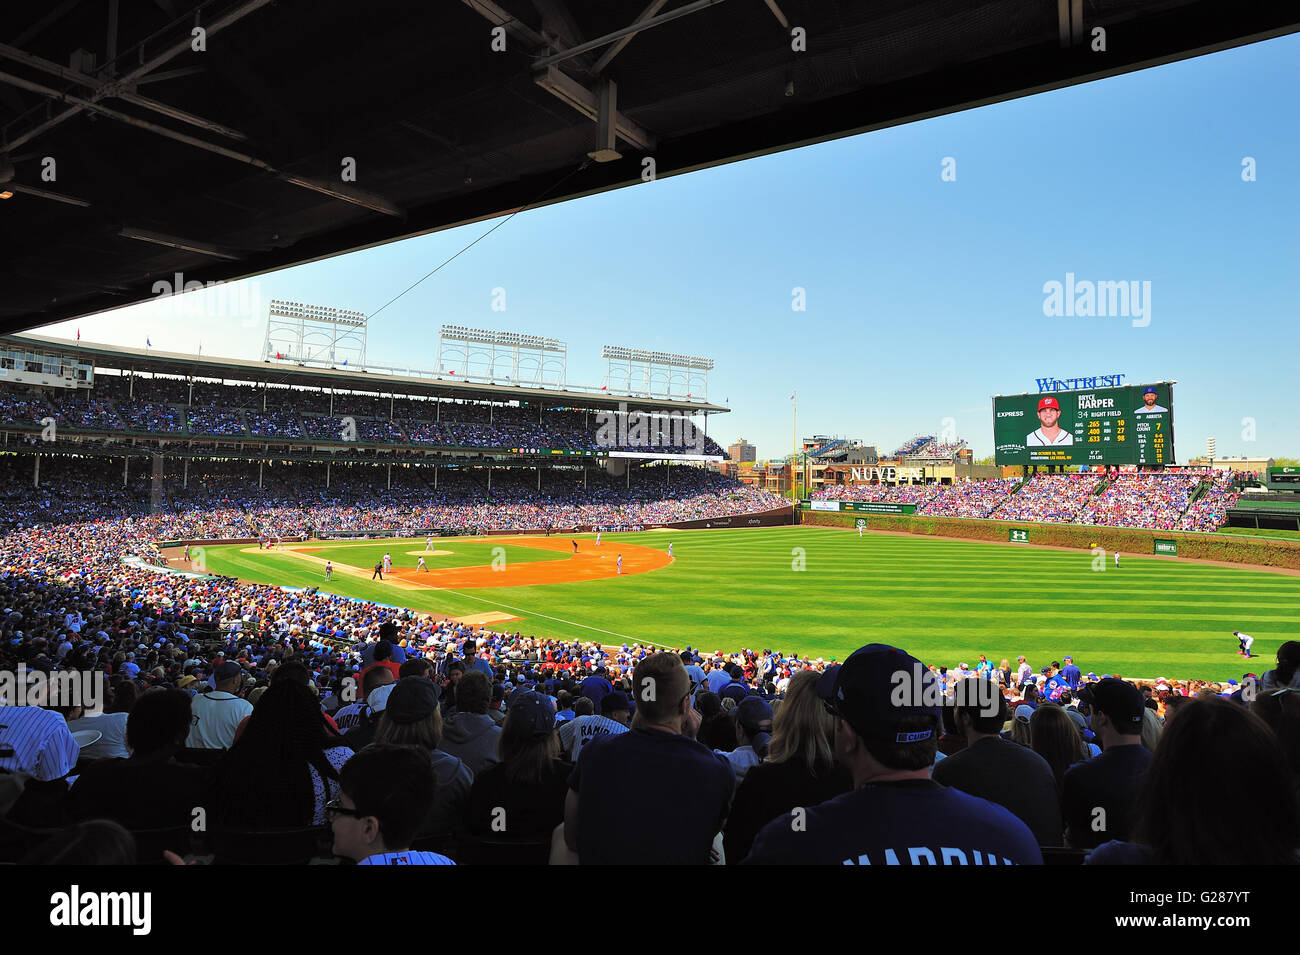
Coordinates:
[970,498]
[1141,500]
[166,406]
[1210,511]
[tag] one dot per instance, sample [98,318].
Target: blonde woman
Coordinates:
[799,769]
[1151,728]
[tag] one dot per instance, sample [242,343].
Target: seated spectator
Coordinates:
[614,719]
[1001,771]
[410,718]
[1287,674]
[896,814]
[470,734]
[1055,736]
[626,794]
[217,714]
[150,789]
[1098,796]
[96,842]
[1151,728]
[384,792]
[799,769]
[753,732]
[357,714]
[111,725]
[1245,815]
[36,741]
[284,768]
[522,795]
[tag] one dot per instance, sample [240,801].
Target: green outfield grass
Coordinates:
[944,601]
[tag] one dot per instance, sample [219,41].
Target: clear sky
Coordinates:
[924,297]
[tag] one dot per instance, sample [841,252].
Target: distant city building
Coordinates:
[741,451]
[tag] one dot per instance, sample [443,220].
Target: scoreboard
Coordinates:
[1133,424]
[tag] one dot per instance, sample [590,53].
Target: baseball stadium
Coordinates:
[346,609]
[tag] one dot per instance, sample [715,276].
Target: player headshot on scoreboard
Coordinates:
[1049,435]
[1149,405]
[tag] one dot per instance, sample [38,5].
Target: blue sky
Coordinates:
[923,297]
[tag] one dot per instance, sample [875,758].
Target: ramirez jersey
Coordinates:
[909,822]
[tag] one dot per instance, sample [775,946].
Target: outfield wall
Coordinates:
[1126,540]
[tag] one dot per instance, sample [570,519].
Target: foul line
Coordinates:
[571,623]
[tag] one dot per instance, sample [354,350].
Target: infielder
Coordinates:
[1245,640]
[670,548]
[329,570]
[419,565]
[597,538]
[620,563]
[428,543]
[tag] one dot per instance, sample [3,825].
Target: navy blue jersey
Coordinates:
[909,822]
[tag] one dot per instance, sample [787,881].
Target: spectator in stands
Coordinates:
[384,792]
[522,795]
[1055,736]
[217,714]
[284,768]
[111,725]
[999,770]
[410,718]
[1099,796]
[626,794]
[96,842]
[614,719]
[150,789]
[470,734]
[358,714]
[1151,728]
[896,813]
[753,732]
[800,768]
[1245,815]
[1286,676]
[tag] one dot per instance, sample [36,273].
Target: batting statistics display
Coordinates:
[1128,425]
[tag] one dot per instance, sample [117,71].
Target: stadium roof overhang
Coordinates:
[131,154]
[153,361]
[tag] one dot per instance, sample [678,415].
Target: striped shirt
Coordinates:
[577,733]
[41,742]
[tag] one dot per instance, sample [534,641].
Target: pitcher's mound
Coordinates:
[428,553]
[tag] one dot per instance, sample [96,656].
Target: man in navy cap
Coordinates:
[886,707]
[1149,405]
[1098,796]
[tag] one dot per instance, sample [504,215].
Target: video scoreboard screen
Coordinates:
[1133,424]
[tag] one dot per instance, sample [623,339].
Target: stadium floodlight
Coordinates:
[657,374]
[517,358]
[315,334]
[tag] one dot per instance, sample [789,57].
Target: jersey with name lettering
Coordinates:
[406,857]
[909,822]
[577,733]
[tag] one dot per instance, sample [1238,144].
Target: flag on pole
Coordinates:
[78,334]
[345,363]
[278,356]
[148,344]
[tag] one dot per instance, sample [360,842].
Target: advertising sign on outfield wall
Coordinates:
[1167,547]
[825,505]
[1018,536]
[879,507]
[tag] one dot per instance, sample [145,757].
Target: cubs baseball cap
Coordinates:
[227,671]
[1048,402]
[534,711]
[1149,390]
[615,702]
[1120,700]
[867,692]
[755,715]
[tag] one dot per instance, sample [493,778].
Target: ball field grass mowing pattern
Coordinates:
[944,601]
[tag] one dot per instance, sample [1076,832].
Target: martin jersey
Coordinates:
[1038,440]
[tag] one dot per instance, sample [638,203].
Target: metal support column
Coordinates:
[36,472]
[185,474]
[390,476]
[328,466]
[126,463]
[260,465]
